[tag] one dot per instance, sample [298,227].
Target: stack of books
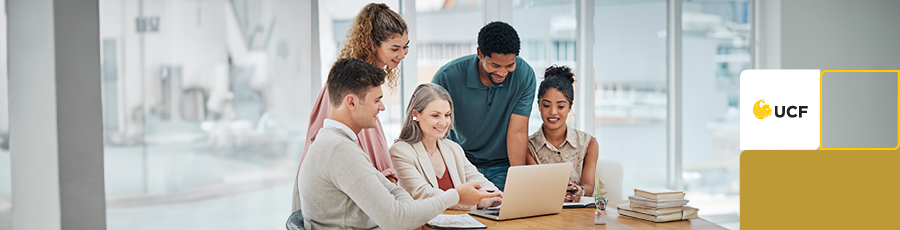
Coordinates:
[658,205]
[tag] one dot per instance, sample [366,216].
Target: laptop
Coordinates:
[531,190]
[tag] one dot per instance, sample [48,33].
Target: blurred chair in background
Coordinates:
[611,173]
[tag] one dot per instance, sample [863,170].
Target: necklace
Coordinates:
[431,152]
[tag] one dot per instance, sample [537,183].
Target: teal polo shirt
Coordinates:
[482,113]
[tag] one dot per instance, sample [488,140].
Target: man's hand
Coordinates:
[470,195]
[392,179]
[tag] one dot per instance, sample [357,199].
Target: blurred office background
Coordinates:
[206,102]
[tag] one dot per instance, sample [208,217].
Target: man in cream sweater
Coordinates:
[339,188]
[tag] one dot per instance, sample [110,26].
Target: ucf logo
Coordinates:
[761,112]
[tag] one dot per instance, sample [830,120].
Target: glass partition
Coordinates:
[203,119]
[630,91]
[715,49]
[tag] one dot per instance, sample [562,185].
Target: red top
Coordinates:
[444,182]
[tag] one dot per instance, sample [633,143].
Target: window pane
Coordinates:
[715,49]
[5,163]
[335,18]
[630,96]
[439,42]
[203,119]
[545,27]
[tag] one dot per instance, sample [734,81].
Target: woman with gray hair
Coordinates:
[428,163]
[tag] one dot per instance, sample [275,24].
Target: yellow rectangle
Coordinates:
[810,189]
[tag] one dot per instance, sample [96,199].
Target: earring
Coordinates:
[414,119]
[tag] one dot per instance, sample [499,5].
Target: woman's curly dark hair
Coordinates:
[498,38]
[560,78]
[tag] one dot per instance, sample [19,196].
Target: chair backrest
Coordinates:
[295,222]
[611,173]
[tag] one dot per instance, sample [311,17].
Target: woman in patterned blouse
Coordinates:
[556,142]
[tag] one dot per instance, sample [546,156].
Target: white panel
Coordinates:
[762,129]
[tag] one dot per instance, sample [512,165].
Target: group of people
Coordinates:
[460,134]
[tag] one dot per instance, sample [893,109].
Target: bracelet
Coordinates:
[582,189]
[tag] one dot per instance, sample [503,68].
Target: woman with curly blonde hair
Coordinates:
[380,37]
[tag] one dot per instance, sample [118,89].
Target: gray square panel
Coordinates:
[859,110]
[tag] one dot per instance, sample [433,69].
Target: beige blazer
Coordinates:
[416,174]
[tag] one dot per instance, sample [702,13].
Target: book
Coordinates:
[657,204]
[687,212]
[655,211]
[460,221]
[659,193]
[585,202]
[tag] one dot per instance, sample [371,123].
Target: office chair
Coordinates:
[611,173]
[295,221]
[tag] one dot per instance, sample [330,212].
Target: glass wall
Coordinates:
[630,91]
[203,119]
[715,49]
[440,42]
[547,31]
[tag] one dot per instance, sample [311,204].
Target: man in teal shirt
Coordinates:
[493,93]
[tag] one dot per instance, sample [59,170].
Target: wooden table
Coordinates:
[583,218]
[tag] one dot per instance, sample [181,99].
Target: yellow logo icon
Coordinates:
[761,111]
